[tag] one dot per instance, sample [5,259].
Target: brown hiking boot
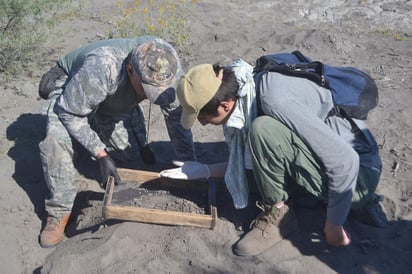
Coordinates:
[266,230]
[53,231]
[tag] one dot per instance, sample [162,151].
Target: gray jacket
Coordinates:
[303,106]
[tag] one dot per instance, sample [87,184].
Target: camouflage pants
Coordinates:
[57,153]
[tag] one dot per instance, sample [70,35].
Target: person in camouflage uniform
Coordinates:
[92,99]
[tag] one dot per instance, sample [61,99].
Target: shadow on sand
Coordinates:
[373,250]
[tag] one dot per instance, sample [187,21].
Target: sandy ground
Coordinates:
[372,35]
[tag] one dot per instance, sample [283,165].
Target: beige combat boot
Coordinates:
[270,227]
[53,231]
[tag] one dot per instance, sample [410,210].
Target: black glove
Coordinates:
[107,168]
[147,155]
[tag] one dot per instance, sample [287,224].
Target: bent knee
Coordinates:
[52,145]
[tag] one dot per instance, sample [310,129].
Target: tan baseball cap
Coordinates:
[195,90]
[159,69]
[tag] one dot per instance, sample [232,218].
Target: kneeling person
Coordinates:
[93,95]
[281,131]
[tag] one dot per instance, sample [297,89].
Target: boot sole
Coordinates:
[48,245]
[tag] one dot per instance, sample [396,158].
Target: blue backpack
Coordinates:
[353,91]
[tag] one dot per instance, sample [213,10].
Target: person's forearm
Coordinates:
[217,170]
[79,129]
[182,139]
[336,234]
[101,154]
[338,206]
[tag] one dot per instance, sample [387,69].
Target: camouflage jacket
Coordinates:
[98,82]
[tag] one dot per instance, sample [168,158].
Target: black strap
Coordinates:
[48,81]
[313,71]
[256,78]
[301,57]
[144,149]
[339,112]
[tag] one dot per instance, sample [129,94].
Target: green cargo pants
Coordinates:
[285,168]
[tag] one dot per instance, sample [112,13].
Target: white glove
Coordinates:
[188,170]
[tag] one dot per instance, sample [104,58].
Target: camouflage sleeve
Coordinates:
[87,88]
[182,139]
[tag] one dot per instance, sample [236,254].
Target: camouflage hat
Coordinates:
[159,69]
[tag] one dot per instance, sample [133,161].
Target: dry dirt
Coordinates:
[372,35]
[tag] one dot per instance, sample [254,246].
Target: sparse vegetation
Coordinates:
[163,18]
[393,34]
[24,25]
[400,37]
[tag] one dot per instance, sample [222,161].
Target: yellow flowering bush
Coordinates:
[163,18]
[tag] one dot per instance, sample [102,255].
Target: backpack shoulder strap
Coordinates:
[339,112]
[301,57]
[256,77]
[313,71]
